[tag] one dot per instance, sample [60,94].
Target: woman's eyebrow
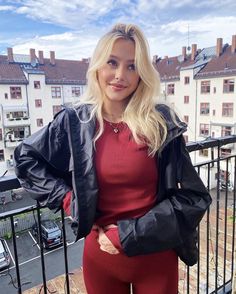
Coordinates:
[116,57]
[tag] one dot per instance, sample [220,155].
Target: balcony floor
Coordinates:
[57,284]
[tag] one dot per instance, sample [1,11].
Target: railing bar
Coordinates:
[65,252]
[217,218]
[16,255]
[234,216]
[188,280]
[225,222]
[41,249]
[199,262]
[208,234]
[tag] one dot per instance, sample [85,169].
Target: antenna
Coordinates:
[188,47]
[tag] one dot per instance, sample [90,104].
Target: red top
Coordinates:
[127,176]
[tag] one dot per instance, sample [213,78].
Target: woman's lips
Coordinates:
[117,87]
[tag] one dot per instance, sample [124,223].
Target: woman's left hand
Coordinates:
[104,242]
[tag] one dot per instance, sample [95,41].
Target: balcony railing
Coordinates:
[215,270]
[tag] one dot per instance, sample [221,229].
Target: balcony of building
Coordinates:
[13,136]
[16,115]
[214,273]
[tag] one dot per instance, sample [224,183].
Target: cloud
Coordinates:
[71,14]
[69,45]
[6,8]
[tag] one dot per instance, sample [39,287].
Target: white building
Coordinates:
[32,90]
[201,87]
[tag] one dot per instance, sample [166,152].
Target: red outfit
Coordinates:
[127,180]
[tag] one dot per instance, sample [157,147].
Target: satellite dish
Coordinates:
[188,48]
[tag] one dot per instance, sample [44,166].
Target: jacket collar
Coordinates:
[175,127]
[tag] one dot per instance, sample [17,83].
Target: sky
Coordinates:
[72,28]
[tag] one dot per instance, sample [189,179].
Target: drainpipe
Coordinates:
[27,103]
[195,130]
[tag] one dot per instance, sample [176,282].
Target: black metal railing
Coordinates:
[215,269]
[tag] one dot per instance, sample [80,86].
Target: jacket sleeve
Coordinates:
[42,163]
[174,218]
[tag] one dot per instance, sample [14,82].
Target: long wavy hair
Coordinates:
[144,121]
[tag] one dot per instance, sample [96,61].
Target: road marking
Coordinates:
[10,254]
[35,242]
[39,256]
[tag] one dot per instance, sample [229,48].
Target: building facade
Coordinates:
[201,87]
[32,90]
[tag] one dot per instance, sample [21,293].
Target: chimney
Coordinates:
[184,52]
[10,55]
[52,58]
[219,46]
[233,46]
[41,59]
[194,51]
[155,58]
[32,55]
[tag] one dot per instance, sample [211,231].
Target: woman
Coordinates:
[117,163]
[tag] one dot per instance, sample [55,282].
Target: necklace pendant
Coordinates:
[116,130]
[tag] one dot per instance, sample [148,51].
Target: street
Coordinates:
[30,262]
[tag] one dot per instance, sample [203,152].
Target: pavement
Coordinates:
[22,199]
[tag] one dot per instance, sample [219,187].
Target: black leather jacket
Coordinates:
[59,158]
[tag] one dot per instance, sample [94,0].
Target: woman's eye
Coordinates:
[131,67]
[112,62]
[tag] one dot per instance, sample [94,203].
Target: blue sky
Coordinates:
[72,28]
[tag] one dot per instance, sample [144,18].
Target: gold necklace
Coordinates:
[115,129]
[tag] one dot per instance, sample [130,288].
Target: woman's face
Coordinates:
[118,78]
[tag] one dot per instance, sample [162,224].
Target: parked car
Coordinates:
[5,259]
[51,233]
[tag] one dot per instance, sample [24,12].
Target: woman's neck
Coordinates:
[113,114]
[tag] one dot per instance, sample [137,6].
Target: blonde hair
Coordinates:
[144,121]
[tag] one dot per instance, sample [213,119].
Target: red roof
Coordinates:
[169,67]
[63,72]
[10,72]
[224,65]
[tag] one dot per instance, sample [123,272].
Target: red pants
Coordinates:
[112,274]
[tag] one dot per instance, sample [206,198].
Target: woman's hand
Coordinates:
[103,240]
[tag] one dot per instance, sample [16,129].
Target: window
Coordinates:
[0,134]
[56,92]
[225,152]
[170,89]
[1,155]
[37,84]
[6,96]
[186,118]
[214,112]
[227,109]
[15,92]
[38,103]
[228,86]
[226,131]
[186,80]
[16,115]
[75,91]
[203,152]
[205,86]
[186,99]
[204,108]
[214,90]
[204,129]
[56,109]
[39,122]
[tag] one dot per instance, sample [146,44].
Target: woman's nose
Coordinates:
[120,73]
